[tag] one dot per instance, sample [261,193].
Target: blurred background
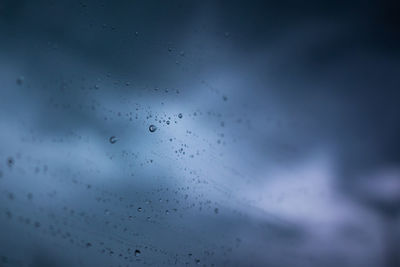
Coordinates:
[210,133]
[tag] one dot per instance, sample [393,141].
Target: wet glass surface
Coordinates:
[209,133]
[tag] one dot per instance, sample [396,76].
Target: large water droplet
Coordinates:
[152,128]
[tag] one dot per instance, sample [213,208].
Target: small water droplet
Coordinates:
[180,115]
[113,139]
[20,80]
[10,162]
[139,209]
[152,128]
[137,252]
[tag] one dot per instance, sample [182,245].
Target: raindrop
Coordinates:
[152,128]
[139,209]
[20,80]
[10,162]
[137,252]
[9,214]
[113,139]
[180,115]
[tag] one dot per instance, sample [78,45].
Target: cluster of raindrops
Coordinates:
[99,182]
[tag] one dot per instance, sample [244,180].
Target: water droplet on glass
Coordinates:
[113,139]
[139,209]
[10,162]
[137,252]
[180,115]
[20,80]
[152,128]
